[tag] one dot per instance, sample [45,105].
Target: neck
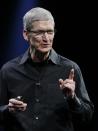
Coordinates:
[37,56]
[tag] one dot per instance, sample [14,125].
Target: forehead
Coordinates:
[43,24]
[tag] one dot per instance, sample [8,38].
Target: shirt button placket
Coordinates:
[37,100]
[37,96]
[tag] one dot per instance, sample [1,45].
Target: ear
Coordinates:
[25,35]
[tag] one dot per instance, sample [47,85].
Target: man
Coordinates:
[41,90]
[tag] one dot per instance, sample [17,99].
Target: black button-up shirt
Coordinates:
[48,109]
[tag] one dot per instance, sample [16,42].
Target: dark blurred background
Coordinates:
[76,37]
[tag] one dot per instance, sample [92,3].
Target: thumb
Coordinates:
[60,81]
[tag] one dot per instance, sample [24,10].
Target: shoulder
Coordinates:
[66,61]
[68,64]
[61,60]
[11,63]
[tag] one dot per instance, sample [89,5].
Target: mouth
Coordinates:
[46,45]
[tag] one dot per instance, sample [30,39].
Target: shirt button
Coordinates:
[36,118]
[37,83]
[64,98]
[37,100]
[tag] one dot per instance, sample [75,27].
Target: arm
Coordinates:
[77,96]
[8,105]
[3,96]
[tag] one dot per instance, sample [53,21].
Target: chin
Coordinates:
[45,50]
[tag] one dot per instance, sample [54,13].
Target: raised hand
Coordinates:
[68,85]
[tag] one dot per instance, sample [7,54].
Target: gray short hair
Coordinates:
[36,14]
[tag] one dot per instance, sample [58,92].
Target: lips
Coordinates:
[45,45]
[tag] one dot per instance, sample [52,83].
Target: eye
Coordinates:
[40,33]
[50,31]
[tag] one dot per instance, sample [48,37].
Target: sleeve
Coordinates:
[81,105]
[3,96]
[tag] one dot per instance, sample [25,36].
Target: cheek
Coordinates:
[51,40]
[32,40]
[35,42]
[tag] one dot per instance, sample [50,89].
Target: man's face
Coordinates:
[41,36]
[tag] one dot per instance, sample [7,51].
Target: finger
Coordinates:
[71,74]
[22,109]
[15,106]
[14,101]
[20,106]
[61,81]
[10,105]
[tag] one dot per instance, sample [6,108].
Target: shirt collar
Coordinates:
[53,56]
[25,57]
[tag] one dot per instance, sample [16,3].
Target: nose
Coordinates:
[45,36]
